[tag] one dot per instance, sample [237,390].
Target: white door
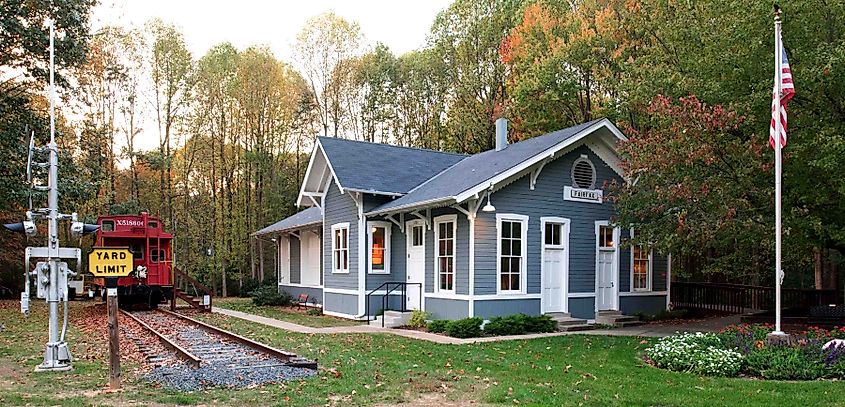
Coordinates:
[555,264]
[415,270]
[606,268]
[309,250]
[604,296]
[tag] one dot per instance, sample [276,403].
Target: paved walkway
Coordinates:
[650,330]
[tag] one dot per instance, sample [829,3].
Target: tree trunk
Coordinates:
[818,264]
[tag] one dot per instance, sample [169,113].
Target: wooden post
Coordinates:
[114,338]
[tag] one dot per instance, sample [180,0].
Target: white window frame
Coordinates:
[523,284]
[387,226]
[336,227]
[437,221]
[650,269]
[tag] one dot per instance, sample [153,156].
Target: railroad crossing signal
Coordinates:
[110,262]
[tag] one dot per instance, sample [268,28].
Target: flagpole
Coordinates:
[778,171]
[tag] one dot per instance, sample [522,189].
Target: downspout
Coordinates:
[668,281]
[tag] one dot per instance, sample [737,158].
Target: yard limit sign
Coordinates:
[111,263]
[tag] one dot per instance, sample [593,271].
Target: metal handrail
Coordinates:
[396,284]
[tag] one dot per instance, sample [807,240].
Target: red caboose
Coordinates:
[151,280]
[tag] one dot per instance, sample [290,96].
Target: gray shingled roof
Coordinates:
[310,216]
[383,168]
[479,168]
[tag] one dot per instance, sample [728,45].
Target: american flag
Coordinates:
[787,91]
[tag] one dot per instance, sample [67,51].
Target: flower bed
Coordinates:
[742,350]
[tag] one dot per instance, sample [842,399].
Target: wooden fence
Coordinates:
[739,299]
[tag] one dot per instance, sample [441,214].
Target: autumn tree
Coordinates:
[466,36]
[324,49]
[170,70]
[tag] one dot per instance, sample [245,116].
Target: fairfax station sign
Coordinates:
[582,195]
[110,262]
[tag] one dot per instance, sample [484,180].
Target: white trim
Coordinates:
[564,244]
[374,192]
[300,285]
[335,227]
[644,294]
[649,271]
[386,253]
[614,267]
[471,220]
[512,217]
[362,256]
[345,291]
[490,297]
[444,295]
[580,295]
[437,221]
[317,146]
[604,123]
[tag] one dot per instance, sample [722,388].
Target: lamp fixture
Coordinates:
[489,207]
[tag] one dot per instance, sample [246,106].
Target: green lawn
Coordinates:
[370,369]
[289,314]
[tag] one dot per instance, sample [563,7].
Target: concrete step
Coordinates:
[392,319]
[616,319]
[565,319]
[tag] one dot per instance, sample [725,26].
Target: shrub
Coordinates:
[540,324]
[519,324]
[799,362]
[509,325]
[314,311]
[437,326]
[464,328]
[418,318]
[270,295]
[697,353]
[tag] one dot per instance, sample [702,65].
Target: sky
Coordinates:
[402,25]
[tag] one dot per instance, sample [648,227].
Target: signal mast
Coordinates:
[51,272]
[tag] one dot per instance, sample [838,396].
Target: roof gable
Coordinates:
[475,174]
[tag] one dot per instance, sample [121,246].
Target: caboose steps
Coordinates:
[183,284]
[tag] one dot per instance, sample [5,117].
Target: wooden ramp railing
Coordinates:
[191,291]
[739,298]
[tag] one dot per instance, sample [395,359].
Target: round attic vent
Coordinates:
[583,173]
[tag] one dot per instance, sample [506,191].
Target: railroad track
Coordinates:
[213,356]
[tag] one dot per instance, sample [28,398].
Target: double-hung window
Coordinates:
[511,259]
[445,228]
[340,248]
[640,267]
[379,247]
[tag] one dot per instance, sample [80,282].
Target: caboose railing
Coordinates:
[190,290]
